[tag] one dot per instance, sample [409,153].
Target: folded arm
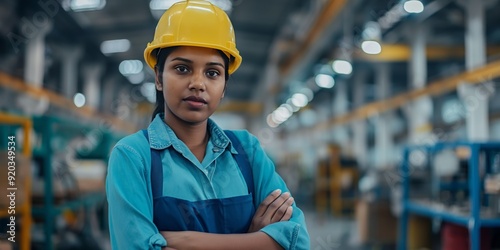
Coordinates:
[207,241]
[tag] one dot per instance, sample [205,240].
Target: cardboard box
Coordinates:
[375,222]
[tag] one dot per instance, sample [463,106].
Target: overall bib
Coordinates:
[222,216]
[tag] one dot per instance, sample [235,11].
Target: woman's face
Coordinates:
[193,84]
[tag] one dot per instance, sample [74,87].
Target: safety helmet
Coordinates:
[195,23]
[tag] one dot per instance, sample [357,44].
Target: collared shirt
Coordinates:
[128,184]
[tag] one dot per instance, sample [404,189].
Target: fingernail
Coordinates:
[277,191]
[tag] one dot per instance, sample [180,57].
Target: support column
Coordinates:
[70,55]
[340,107]
[34,70]
[419,112]
[34,61]
[383,134]
[110,97]
[91,89]
[360,141]
[475,52]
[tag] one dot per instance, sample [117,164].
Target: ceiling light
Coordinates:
[294,108]
[225,5]
[371,47]
[136,78]
[79,100]
[299,100]
[342,67]
[130,67]
[115,46]
[162,4]
[308,92]
[271,122]
[87,5]
[413,6]
[324,81]
[288,107]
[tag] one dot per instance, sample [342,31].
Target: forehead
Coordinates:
[191,52]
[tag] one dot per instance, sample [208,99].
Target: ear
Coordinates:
[158,80]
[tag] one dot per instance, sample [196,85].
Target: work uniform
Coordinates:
[209,196]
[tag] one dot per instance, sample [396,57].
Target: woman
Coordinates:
[184,183]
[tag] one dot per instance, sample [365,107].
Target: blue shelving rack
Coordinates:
[50,128]
[475,183]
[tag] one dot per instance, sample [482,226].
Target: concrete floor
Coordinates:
[328,232]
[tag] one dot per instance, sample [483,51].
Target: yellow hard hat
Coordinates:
[195,23]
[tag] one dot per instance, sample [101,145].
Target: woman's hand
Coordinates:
[275,207]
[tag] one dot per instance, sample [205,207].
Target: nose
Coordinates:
[197,81]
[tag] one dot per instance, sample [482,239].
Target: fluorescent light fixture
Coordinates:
[342,67]
[162,4]
[115,46]
[413,6]
[79,100]
[130,67]
[136,78]
[294,108]
[270,122]
[225,5]
[308,92]
[299,100]
[87,5]
[371,47]
[288,107]
[324,81]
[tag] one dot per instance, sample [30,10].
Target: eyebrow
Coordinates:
[190,62]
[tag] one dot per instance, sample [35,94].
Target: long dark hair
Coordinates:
[161,55]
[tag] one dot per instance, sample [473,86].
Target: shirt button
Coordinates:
[216,150]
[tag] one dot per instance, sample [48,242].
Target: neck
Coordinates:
[194,135]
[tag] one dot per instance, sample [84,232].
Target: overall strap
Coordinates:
[241,159]
[243,162]
[156,170]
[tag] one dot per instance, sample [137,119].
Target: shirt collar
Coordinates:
[161,136]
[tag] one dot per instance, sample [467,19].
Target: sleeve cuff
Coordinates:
[157,241]
[285,233]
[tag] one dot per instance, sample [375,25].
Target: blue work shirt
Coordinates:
[128,184]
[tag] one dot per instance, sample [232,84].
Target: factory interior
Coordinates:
[381,116]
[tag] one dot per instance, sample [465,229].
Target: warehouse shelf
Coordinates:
[88,199]
[337,178]
[22,210]
[55,137]
[477,214]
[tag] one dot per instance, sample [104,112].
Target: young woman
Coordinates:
[184,183]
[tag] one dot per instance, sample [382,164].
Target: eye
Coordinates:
[181,69]
[213,73]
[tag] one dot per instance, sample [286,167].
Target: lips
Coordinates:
[195,99]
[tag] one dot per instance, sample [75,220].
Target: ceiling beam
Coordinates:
[331,9]
[60,101]
[402,52]
[476,76]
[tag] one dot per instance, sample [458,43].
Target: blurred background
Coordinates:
[382,116]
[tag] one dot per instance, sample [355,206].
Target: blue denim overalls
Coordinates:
[223,216]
